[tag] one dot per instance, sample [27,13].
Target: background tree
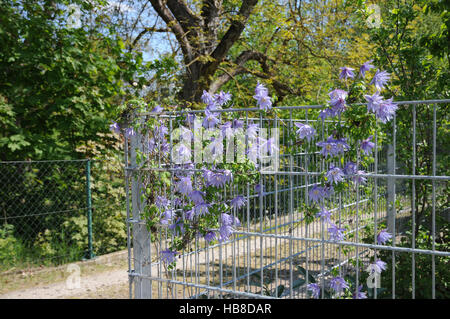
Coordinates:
[58,86]
[293,46]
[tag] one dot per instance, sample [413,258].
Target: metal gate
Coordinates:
[278,246]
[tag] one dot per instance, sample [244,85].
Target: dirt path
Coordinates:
[87,284]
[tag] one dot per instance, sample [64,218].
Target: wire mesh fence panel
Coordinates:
[51,215]
[38,201]
[223,227]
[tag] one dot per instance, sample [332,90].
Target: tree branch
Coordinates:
[210,13]
[186,18]
[141,34]
[174,25]
[234,31]
[281,88]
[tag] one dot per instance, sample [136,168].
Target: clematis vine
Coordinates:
[200,208]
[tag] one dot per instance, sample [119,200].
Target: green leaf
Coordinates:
[298,283]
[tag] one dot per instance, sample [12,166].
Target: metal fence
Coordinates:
[276,252]
[53,212]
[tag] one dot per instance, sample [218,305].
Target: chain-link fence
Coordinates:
[53,212]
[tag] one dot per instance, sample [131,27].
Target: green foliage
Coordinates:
[423,264]
[58,86]
[8,246]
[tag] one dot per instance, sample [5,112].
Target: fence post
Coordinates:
[391,189]
[89,208]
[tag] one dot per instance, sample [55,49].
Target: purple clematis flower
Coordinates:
[157,109]
[210,120]
[165,147]
[168,256]
[380,79]
[338,284]
[373,101]
[252,131]
[166,217]
[259,189]
[217,179]
[350,168]
[201,209]
[335,232]
[189,214]
[184,186]
[341,145]
[328,148]
[226,219]
[337,101]
[359,294]
[324,214]
[238,201]
[261,89]
[177,227]
[227,131]
[253,152]
[210,236]
[177,202]
[151,145]
[386,110]
[161,130]
[305,131]
[328,191]
[325,113]
[315,290]
[184,154]
[216,147]
[225,231]
[367,145]
[377,267]
[207,98]
[227,176]
[335,175]
[237,124]
[365,67]
[161,202]
[316,193]
[332,147]
[383,237]
[197,197]
[262,97]
[263,101]
[346,73]
[114,127]
[222,98]
[359,178]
